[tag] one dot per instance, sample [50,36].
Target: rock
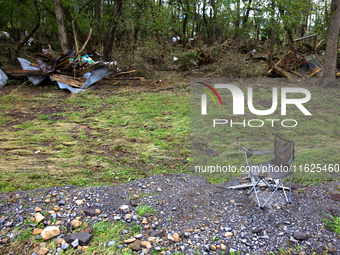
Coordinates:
[50,232]
[131,240]
[84,248]
[128,217]
[4,241]
[135,246]
[133,203]
[212,247]
[176,237]
[110,243]
[124,207]
[228,234]
[157,233]
[87,230]
[300,235]
[117,217]
[42,251]
[79,202]
[146,244]
[292,239]
[83,237]
[145,251]
[76,223]
[64,246]
[223,247]
[139,236]
[257,230]
[97,211]
[147,215]
[170,238]
[56,208]
[60,241]
[39,218]
[153,239]
[75,243]
[89,212]
[37,231]
[145,221]
[38,209]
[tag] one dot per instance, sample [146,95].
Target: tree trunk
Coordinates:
[237,20]
[61,26]
[246,16]
[332,42]
[272,37]
[110,36]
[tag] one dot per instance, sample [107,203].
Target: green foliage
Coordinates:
[142,209]
[332,223]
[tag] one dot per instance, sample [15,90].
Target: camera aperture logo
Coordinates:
[238,105]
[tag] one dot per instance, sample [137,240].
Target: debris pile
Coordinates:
[70,70]
[293,63]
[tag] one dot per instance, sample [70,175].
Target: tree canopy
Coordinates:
[125,23]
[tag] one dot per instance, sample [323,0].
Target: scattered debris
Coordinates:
[295,64]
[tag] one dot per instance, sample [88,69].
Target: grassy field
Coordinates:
[105,136]
[119,133]
[316,136]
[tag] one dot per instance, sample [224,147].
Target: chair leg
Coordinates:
[254,188]
[277,191]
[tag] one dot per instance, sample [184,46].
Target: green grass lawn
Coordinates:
[116,134]
[94,138]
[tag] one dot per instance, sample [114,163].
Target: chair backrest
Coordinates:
[283,151]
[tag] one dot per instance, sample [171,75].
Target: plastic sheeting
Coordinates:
[3,79]
[70,88]
[96,75]
[35,79]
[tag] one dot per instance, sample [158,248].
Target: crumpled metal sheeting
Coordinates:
[35,79]
[48,67]
[70,88]
[3,79]
[96,75]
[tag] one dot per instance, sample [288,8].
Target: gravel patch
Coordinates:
[190,216]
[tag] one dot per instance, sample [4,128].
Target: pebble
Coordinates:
[110,243]
[75,243]
[64,246]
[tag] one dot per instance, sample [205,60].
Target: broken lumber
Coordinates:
[75,82]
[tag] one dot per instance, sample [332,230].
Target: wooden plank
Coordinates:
[24,72]
[66,60]
[75,82]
